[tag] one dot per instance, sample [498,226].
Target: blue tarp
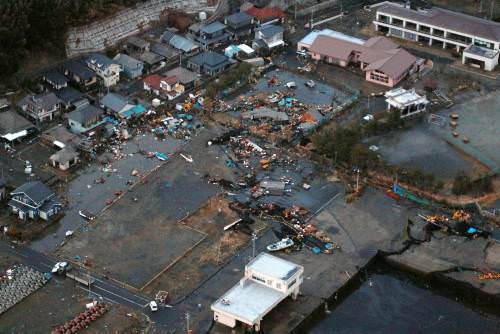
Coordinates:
[135,111]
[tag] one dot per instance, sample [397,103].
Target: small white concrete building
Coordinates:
[480,57]
[268,280]
[408,102]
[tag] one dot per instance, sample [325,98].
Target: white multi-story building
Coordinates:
[268,280]
[477,39]
[105,68]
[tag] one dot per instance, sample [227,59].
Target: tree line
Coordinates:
[31,26]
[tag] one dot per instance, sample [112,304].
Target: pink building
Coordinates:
[383,61]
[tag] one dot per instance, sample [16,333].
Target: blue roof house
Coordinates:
[209,63]
[132,68]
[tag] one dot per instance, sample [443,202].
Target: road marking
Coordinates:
[124,298]
[111,285]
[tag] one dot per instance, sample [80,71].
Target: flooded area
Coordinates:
[390,301]
[86,192]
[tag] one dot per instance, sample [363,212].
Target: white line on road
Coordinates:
[107,283]
[124,298]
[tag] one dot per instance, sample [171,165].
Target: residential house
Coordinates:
[71,98]
[268,37]
[120,106]
[167,52]
[40,108]
[14,126]
[212,35]
[114,103]
[266,15]
[84,119]
[239,25]
[55,79]
[180,43]
[80,74]
[105,68]
[152,61]
[477,39]
[383,61]
[168,87]
[34,200]
[65,158]
[132,68]
[209,63]
[186,78]
[137,44]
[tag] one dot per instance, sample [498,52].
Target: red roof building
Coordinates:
[267,14]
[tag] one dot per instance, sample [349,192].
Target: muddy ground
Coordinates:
[143,222]
[58,302]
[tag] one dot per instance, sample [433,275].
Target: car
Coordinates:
[153,306]
[310,83]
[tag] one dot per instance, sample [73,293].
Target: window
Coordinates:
[278,285]
[257,278]
[292,283]
[396,32]
[410,36]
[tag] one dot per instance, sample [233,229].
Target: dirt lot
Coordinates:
[209,255]
[66,300]
[143,223]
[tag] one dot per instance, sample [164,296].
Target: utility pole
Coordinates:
[254,238]
[295,11]
[187,322]
[491,9]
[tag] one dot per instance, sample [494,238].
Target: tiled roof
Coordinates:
[209,58]
[265,14]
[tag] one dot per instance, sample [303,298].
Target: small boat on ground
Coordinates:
[282,244]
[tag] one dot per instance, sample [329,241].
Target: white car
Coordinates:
[153,306]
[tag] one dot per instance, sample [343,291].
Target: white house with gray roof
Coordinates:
[34,200]
[41,107]
[267,282]
[105,68]
[477,39]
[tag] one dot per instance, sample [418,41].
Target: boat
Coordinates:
[282,244]
[87,215]
[188,158]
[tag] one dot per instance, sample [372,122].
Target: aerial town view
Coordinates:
[262,166]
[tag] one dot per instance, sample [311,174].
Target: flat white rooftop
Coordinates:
[248,301]
[309,38]
[273,266]
[403,97]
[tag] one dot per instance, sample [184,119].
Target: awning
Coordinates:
[13,136]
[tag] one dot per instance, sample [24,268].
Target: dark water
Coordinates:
[389,302]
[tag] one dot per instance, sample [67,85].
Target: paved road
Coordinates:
[102,287]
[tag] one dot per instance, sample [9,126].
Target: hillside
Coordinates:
[32,26]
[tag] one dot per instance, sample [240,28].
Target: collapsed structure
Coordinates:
[383,61]
[268,280]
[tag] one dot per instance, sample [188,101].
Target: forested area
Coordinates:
[28,26]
